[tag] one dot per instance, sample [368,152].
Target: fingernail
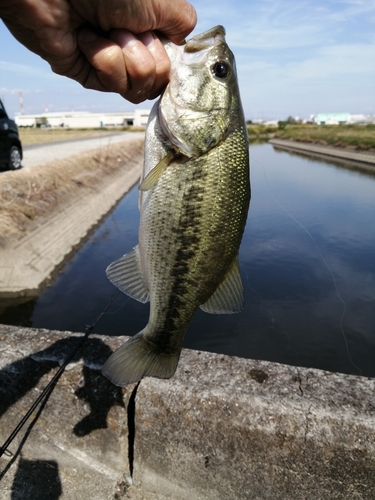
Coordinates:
[124,38]
[147,38]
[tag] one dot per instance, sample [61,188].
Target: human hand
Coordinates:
[106,45]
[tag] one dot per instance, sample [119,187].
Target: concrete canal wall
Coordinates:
[364,161]
[221,428]
[28,261]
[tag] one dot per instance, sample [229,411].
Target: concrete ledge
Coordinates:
[230,428]
[27,263]
[365,160]
[221,428]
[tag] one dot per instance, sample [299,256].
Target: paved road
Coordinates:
[44,153]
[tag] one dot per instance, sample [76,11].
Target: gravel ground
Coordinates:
[37,155]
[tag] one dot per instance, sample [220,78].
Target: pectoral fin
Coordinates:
[126,274]
[153,176]
[228,297]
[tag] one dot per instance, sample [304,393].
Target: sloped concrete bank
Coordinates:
[362,161]
[27,262]
[221,428]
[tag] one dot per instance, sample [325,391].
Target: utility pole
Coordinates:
[21,102]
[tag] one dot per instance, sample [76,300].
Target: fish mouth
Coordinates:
[205,40]
[195,50]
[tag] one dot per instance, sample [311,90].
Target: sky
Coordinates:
[294,58]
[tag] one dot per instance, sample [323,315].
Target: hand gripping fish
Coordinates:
[194,199]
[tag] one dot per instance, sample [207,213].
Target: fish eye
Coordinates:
[220,69]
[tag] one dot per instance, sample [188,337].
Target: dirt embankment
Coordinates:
[29,196]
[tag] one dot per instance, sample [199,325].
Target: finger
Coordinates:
[135,67]
[139,63]
[162,62]
[105,69]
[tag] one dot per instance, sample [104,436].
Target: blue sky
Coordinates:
[293,58]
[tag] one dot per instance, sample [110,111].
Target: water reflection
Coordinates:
[307,262]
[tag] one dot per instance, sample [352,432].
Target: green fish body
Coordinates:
[194,200]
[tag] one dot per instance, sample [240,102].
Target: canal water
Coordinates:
[307,261]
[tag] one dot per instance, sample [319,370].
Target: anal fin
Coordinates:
[126,274]
[228,297]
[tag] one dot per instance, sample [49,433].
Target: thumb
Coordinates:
[178,21]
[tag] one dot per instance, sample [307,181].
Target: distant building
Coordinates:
[341,118]
[84,119]
[273,123]
[360,119]
[330,118]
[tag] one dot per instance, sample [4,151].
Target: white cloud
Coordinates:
[25,70]
[332,62]
[353,8]
[272,24]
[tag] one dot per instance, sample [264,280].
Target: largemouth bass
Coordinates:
[194,200]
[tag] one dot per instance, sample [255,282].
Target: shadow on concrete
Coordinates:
[101,395]
[18,378]
[36,479]
[39,479]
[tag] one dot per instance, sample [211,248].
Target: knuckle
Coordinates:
[163,67]
[145,68]
[110,57]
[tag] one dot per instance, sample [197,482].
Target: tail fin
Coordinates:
[135,359]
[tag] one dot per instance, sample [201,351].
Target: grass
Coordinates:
[32,193]
[355,137]
[261,131]
[42,135]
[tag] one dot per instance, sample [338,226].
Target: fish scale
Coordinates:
[194,201]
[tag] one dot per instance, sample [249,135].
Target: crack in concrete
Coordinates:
[131,428]
[298,379]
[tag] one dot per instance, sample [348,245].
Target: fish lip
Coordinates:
[206,39]
[196,49]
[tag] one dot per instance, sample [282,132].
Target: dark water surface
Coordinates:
[307,261]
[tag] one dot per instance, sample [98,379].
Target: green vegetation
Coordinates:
[259,132]
[361,137]
[358,137]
